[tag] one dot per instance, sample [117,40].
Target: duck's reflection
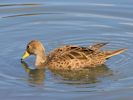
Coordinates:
[85,76]
[36,76]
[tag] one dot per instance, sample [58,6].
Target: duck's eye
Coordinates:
[28,47]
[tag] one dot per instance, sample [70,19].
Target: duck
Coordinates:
[69,57]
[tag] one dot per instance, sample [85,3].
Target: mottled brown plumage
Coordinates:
[69,57]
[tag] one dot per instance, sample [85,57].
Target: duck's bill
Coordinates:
[26,54]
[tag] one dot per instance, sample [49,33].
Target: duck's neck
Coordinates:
[40,60]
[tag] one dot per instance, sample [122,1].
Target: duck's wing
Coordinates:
[73,48]
[61,50]
[71,52]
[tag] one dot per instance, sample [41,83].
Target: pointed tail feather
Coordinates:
[113,53]
[98,46]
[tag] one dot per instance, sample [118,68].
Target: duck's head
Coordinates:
[34,47]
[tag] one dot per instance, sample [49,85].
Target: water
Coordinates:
[60,22]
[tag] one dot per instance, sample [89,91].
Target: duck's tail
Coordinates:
[109,54]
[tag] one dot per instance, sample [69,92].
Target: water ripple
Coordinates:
[12,5]
[32,14]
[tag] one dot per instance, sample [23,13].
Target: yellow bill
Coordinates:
[26,54]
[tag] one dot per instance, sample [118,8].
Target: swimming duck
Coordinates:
[69,57]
